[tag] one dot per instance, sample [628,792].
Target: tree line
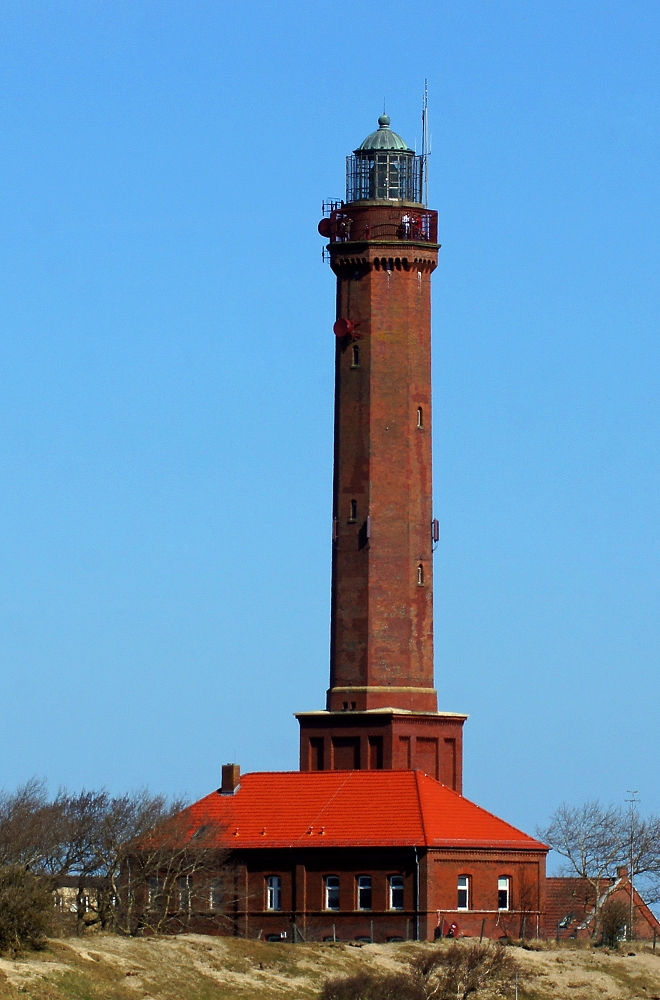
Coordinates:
[93,838]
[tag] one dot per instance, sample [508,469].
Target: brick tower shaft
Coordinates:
[382,580]
[382,705]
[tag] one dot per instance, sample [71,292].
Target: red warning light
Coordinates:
[343,327]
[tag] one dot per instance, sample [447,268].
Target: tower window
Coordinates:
[396,892]
[355,363]
[332,892]
[353,517]
[364,892]
[420,416]
[463,892]
[274,892]
[420,575]
[503,893]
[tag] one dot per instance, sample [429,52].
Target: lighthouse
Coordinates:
[382,706]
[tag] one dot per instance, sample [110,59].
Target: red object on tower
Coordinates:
[382,705]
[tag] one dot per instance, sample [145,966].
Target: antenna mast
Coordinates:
[425,140]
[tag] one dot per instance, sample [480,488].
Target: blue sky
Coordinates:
[166,382]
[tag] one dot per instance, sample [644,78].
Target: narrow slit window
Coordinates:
[356,356]
[353,516]
[420,416]
[420,575]
[503,893]
[463,892]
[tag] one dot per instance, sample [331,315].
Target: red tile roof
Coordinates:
[350,809]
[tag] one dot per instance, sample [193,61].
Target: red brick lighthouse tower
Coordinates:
[382,705]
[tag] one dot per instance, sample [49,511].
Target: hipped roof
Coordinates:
[297,809]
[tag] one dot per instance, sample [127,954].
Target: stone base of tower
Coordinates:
[388,739]
[371,696]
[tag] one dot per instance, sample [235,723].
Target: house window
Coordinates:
[353,516]
[420,416]
[274,892]
[356,357]
[463,892]
[503,893]
[332,892]
[216,895]
[420,575]
[364,892]
[396,892]
[185,892]
[155,892]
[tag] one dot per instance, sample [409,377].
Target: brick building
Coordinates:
[366,855]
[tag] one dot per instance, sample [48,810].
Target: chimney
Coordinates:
[231,779]
[621,872]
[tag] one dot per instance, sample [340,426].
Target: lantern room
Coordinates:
[384,168]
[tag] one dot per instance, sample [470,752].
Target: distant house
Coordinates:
[570,906]
[67,896]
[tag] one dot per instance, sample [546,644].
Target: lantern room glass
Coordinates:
[384,175]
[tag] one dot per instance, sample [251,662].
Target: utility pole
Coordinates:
[632,801]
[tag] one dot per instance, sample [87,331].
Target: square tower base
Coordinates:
[384,739]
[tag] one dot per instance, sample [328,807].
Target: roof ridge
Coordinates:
[500,820]
[486,811]
[421,807]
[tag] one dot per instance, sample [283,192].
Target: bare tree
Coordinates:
[31,829]
[172,873]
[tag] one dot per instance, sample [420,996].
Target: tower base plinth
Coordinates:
[388,739]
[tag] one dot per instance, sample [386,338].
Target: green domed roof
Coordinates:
[384,138]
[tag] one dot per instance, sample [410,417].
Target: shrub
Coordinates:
[459,971]
[26,909]
[374,986]
[453,973]
[616,915]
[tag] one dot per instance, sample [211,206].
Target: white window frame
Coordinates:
[504,885]
[274,892]
[185,893]
[364,882]
[463,885]
[216,895]
[155,890]
[328,888]
[399,887]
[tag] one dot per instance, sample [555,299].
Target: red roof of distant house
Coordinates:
[351,809]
